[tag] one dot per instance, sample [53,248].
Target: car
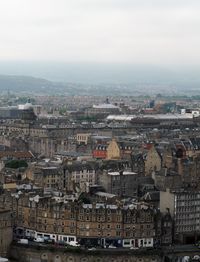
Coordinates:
[74,244]
[134,248]
[111,246]
[39,240]
[49,241]
[196,257]
[3,259]
[91,248]
[186,259]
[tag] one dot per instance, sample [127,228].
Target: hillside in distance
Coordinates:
[28,85]
[33,85]
[98,79]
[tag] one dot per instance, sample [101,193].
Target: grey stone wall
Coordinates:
[30,254]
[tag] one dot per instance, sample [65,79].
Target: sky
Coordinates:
[154,32]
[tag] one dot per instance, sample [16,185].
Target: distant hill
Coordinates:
[23,83]
[31,85]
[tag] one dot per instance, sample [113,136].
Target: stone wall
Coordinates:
[40,254]
[5,231]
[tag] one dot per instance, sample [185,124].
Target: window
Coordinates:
[71,239]
[118,218]
[118,233]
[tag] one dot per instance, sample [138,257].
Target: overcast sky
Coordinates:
[160,32]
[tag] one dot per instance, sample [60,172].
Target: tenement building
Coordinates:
[5,231]
[79,176]
[64,220]
[121,183]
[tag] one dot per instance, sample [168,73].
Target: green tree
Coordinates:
[16,164]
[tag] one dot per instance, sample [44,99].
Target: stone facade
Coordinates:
[97,223]
[121,183]
[113,150]
[61,255]
[5,231]
[153,161]
[79,175]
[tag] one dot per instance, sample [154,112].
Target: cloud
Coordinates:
[126,31]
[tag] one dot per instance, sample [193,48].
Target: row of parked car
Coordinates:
[25,241]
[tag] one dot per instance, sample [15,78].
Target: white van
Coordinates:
[22,241]
[3,259]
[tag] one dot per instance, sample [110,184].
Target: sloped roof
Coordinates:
[16,154]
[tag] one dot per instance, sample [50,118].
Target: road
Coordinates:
[167,249]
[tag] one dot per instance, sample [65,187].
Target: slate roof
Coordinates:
[16,154]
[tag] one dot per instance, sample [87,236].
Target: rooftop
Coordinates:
[153,116]
[125,173]
[106,106]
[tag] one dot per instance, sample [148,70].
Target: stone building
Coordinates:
[153,161]
[6,234]
[131,225]
[113,150]
[79,175]
[83,138]
[40,139]
[167,178]
[167,227]
[47,175]
[102,110]
[121,183]
[138,163]
[97,223]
